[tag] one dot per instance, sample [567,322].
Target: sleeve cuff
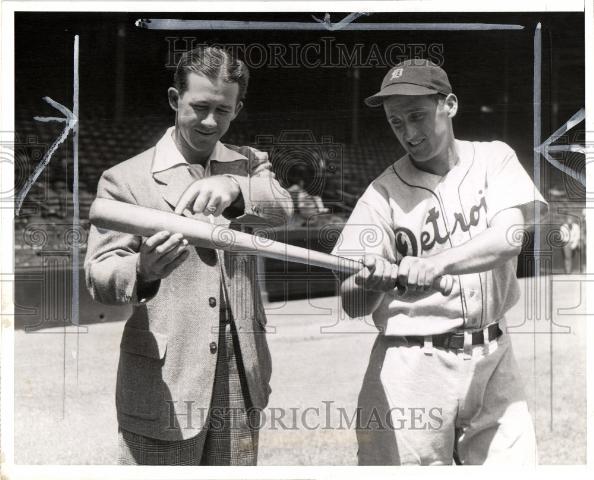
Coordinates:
[146,291]
[249,212]
[237,208]
[142,292]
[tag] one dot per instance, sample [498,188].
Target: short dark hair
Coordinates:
[213,63]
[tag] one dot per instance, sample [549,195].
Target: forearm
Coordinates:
[111,279]
[488,250]
[263,200]
[358,301]
[111,258]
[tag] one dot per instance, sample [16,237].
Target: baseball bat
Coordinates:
[134,219]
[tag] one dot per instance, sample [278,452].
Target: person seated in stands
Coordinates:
[570,231]
[307,206]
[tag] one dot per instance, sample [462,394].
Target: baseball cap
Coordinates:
[412,77]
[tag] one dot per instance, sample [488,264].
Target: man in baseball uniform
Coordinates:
[194,364]
[442,381]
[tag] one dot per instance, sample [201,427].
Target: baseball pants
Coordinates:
[421,405]
[231,433]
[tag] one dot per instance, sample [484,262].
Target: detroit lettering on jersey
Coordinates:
[406,240]
[418,213]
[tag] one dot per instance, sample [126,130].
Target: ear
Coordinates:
[238,109]
[451,105]
[173,96]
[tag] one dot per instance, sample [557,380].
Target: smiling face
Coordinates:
[204,111]
[423,125]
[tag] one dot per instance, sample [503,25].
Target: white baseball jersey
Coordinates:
[407,211]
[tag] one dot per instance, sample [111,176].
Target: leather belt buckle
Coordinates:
[455,341]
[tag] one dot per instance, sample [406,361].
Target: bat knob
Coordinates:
[446,285]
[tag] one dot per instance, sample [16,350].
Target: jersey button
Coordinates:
[213,347]
[212,302]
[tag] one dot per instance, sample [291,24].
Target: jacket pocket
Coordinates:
[140,385]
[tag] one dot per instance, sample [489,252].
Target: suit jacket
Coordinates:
[167,352]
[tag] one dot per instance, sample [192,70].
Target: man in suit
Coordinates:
[194,364]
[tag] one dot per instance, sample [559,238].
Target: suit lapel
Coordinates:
[172,183]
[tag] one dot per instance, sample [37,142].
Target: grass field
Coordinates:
[64,384]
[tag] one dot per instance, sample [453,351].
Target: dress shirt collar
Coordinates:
[168,156]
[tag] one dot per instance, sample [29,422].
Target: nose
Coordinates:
[409,132]
[209,121]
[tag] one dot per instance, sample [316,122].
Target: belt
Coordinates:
[455,340]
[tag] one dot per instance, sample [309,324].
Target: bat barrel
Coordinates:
[137,220]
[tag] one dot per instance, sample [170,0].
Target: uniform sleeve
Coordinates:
[509,185]
[368,229]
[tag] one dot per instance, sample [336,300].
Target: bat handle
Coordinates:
[444,284]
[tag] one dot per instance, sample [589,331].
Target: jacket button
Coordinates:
[213,347]
[212,302]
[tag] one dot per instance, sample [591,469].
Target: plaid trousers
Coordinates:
[231,437]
